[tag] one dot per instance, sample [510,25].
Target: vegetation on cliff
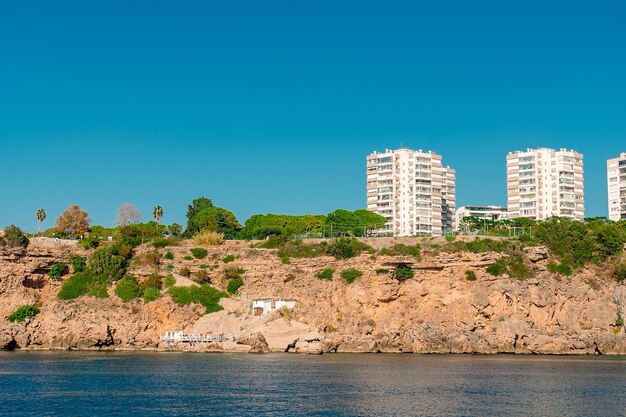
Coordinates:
[205,295]
[22,313]
[14,237]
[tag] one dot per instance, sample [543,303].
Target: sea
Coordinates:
[215,384]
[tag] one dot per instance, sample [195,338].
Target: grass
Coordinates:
[229,258]
[382,271]
[162,242]
[169,256]
[22,313]
[170,281]
[326,274]
[350,275]
[151,294]
[199,253]
[208,238]
[401,249]
[233,285]
[513,266]
[470,275]
[204,295]
[562,269]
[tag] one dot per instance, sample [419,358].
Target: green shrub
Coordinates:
[105,262]
[470,275]
[199,253]
[77,286]
[350,275]
[204,295]
[58,270]
[486,245]
[382,271]
[151,294]
[184,271]
[401,249]
[619,320]
[273,242]
[450,238]
[620,273]
[98,290]
[513,265]
[89,243]
[22,313]
[162,242]
[497,268]
[78,263]
[188,258]
[128,288]
[233,272]
[326,274]
[152,258]
[203,266]
[234,285]
[298,249]
[169,256]
[170,281]
[229,258]
[344,248]
[14,237]
[403,272]
[562,269]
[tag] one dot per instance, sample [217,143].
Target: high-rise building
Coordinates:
[616,177]
[543,182]
[495,213]
[413,190]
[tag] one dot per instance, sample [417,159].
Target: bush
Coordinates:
[382,271]
[89,243]
[297,249]
[234,285]
[98,290]
[169,256]
[14,237]
[152,258]
[619,320]
[401,249]
[204,295]
[620,273]
[170,281]
[233,272]
[162,242]
[202,276]
[208,238]
[153,280]
[403,272]
[151,294]
[77,286]
[350,275]
[188,258]
[128,289]
[562,269]
[199,253]
[486,245]
[344,248]
[104,262]
[184,271]
[78,263]
[450,238]
[470,275]
[273,242]
[229,258]
[513,265]
[22,313]
[326,274]
[203,266]
[58,270]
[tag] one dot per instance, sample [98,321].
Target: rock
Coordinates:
[256,341]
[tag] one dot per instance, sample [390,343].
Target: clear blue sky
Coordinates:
[273,106]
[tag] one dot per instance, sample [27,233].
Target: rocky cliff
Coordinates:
[438,310]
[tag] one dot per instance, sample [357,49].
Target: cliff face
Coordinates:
[438,310]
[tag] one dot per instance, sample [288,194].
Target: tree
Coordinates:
[14,237]
[193,209]
[175,229]
[369,220]
[202,215]
[73,222]
[158,212]
[41,216]
[127,214]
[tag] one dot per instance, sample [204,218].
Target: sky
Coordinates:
[273,106]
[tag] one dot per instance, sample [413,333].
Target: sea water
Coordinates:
[186,384]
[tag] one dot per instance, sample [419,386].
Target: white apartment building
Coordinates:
[542,183]
[616,177]
[495,213]
[413,190]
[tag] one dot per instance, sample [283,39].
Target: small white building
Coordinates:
[266,305]
[495,213]
[173,336]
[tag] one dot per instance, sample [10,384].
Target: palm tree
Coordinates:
[41,216]
[157,213]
